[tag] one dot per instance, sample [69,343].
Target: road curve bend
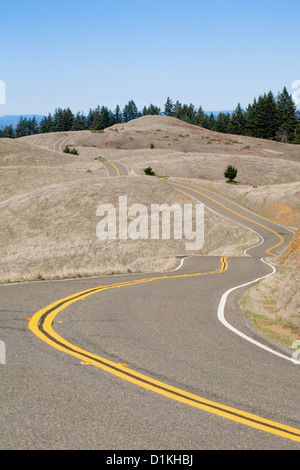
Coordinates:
[273,239]
[150,360]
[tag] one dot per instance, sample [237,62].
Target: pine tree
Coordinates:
[63,120]
[21,129]
[32,126]
[169,107]
[94,118]
[250,128]
[130,111]
[90,118]
[237,121]
[266,117]
[222,123]
[58,120]
[79,123]
[9,132]
[230,173]
[117,115]
[287,116]
[68,119]
[177,109]
[212,121]
[270,116]
[199,118]
[46,124]
[153,110]
[189,113]
[104,118]
[99,118]
[185,112]
[208,122]
[297,135]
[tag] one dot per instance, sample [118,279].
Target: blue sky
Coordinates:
[87,53]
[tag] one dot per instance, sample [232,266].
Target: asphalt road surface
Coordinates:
[149,361]
[115,169]
[61,144]
[112,168]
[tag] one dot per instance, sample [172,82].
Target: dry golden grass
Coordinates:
[273,305]
[45,141]
[48,199]
[50,232]
[277,202]
[169,133]
[268,172]
[24,167]
[48,203]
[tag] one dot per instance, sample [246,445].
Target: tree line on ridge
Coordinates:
[268,117]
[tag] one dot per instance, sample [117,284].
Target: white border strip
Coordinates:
[105,168]
[124,166]
[221,307]
[221,317]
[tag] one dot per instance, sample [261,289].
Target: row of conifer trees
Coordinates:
[268,117]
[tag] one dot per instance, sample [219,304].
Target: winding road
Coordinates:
[61,144]
[116,169]
[149,361]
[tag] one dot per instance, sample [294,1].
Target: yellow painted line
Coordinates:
[41,325]
[236,213]
[59,148]
[52,310]
[118,173]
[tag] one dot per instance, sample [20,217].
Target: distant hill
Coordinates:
[216,113]
[12,120]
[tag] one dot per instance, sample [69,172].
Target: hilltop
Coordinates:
[268,171]
[48,211]
[170,133]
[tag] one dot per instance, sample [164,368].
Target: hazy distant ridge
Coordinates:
[12,120]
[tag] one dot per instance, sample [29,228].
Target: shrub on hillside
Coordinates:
[71,151]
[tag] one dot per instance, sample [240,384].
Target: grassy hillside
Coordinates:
[268,172]
[48,203]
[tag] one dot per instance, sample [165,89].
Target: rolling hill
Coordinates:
[49,199]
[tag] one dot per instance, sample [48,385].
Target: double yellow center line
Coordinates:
[41,325]
[268,251]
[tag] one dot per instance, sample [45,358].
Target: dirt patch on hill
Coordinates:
[292,254]
[283,214]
